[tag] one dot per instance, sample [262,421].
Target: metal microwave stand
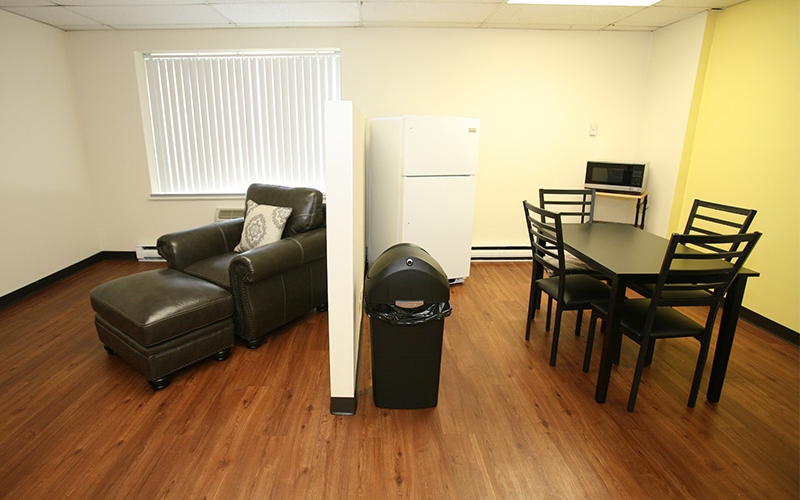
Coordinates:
[641,203]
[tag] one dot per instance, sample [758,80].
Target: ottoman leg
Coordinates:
[222,355]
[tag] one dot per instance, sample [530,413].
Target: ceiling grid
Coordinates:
[88,15]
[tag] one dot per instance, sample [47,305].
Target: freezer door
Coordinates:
[440,145]
[438,215]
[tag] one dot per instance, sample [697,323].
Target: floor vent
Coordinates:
[147,253]
[228,214]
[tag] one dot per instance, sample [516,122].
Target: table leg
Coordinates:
[611,339]
[727,330]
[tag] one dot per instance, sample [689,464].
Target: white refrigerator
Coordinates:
[421,187]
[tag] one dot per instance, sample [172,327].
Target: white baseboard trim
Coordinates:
[501,253]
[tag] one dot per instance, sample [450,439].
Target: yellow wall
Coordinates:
[744,143]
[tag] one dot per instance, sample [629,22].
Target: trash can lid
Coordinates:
[406,272]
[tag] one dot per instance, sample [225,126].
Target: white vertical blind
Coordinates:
[222,122]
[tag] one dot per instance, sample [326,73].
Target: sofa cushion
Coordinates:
[306,205]
[263,224]
[213,269]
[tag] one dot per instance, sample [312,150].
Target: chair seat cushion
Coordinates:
[668,322]
[213,269]
[572,264]
[647,290]
[580,289]
[155,306]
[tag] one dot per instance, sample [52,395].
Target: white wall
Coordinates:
[345,133]
[536,92]
[48,220]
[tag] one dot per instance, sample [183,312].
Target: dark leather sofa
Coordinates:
[271,284]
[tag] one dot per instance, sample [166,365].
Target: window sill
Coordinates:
[185,197]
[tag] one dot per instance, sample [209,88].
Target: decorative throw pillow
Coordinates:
[263,224]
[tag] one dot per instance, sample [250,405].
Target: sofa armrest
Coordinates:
[183,248]
[275,258]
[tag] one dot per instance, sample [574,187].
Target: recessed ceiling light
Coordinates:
[597,3]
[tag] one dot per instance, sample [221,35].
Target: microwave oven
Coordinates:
[621,177]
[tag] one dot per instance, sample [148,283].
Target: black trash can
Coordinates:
[406,296]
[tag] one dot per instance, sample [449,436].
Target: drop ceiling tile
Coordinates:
[55,16]
[708,4]
[154,15]
[256,2]
[419,13]
[312,13]
[570,16]
[659,16]
[126,3]
[457,2]
[25,3]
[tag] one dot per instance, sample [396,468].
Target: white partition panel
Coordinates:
[344,163]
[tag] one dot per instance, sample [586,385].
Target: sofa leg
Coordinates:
[160,383]
[322,307]
[109,350]
[222,355]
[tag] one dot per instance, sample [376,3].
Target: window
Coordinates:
[223,121]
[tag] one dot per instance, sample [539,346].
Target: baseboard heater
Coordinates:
[147,253]
[501,253]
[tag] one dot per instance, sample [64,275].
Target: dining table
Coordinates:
[626,256]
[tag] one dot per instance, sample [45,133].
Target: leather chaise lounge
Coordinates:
[214,288]
[271,284]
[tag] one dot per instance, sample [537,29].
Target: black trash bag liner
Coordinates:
[415,316]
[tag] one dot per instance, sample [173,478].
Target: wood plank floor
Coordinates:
[78,423]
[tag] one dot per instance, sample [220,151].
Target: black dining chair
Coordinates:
[570,291]
[576,206]
[715,219]
[688,277]
[573,205]
[711,219]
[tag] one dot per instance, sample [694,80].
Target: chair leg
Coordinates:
[549,310]
[587,356]
[637,376]
[556,330]
[578,322]
[650,351]
[531,308]
[698,371]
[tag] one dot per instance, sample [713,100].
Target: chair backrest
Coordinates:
[306,204]
[547,244]
[577,204]
[690,272]
[716,219]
